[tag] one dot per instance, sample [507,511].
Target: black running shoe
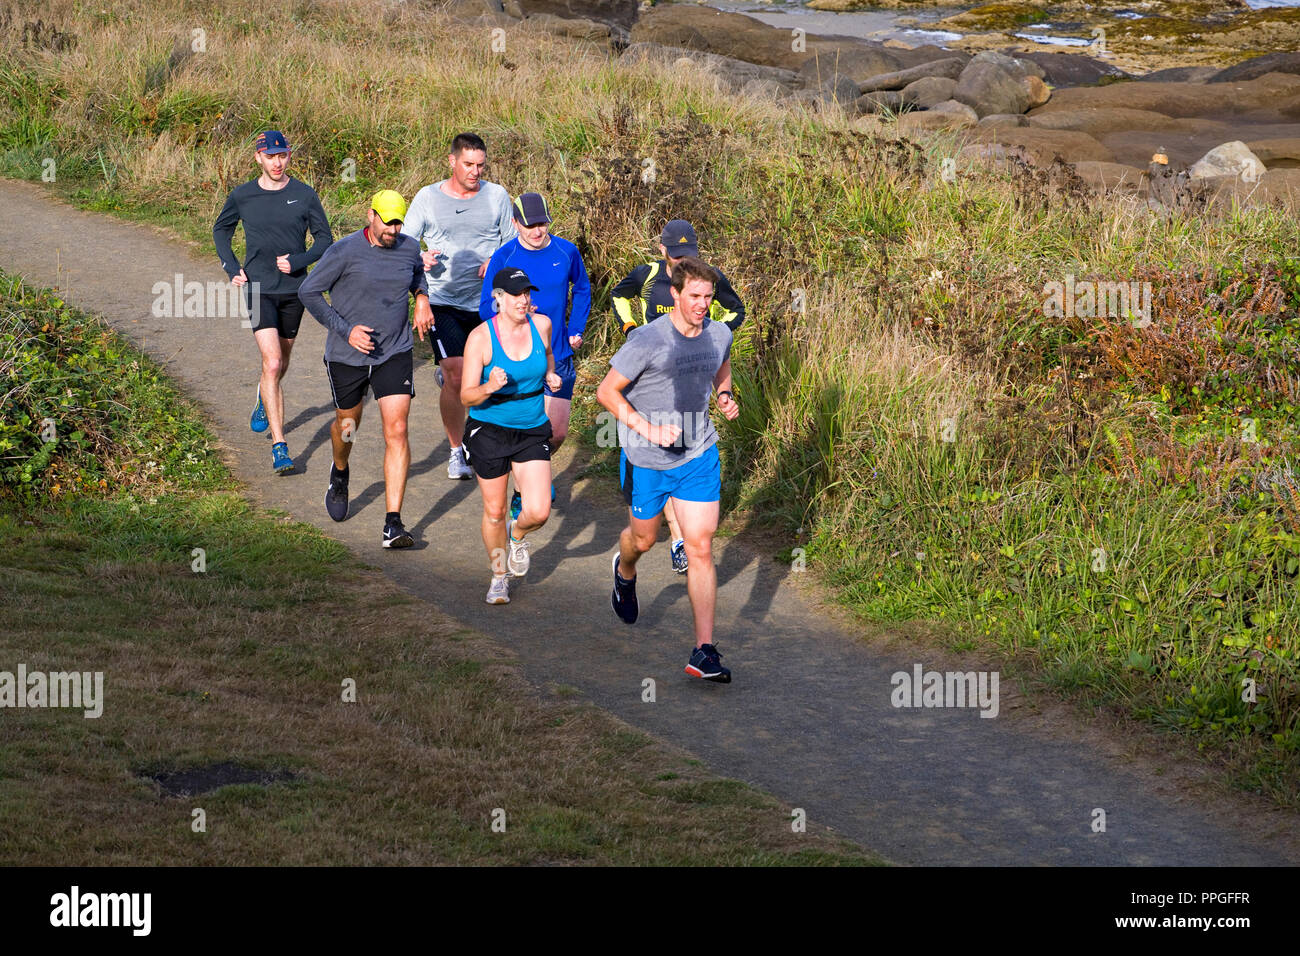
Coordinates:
[705,663]
[336,495]
[623,598]
[395,536]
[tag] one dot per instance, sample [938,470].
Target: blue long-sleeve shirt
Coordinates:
[556,270]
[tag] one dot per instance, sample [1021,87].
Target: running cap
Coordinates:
[512,280]
[530,209]
[679,239]
[272,142]
[389,204]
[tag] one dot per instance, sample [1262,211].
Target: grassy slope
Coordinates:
[245,660]
[1113,509]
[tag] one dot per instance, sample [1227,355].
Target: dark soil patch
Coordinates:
[196,780]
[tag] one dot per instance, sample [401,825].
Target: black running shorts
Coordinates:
[281,312]
[348,383]
[451,327]
[492,448]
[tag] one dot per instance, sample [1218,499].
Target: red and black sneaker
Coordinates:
[705,662]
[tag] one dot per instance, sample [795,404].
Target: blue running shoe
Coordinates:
[705,663]
[516,506]
[624,597]
[280,459]
[679,556]
[258,421]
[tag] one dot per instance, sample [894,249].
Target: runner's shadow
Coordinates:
[456,491]
[588,513]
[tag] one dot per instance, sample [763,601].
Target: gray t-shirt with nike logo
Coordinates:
[466,232]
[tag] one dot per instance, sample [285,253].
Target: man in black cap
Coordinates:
[646,293]
[277,212]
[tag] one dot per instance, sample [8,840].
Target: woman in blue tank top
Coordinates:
[508,358]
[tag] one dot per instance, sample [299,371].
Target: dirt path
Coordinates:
[809,716]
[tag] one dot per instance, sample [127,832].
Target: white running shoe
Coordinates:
[518,560]
[457,466]
[499,592]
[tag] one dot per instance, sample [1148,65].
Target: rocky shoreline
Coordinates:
[1188,136]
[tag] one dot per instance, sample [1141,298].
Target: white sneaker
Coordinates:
[499,592]
[456,465]
[518,560]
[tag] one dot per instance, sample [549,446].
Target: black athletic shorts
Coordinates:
[451,327]
[348,383]
[492,448]
[282,312]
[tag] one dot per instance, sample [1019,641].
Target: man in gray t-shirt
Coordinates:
[658,390]
[462,220]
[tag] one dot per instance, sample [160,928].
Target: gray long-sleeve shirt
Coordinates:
[367,285]
[466,232]
[276,222]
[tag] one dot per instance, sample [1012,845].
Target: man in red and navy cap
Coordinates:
[277,212]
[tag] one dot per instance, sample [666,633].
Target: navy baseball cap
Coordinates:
[272,142]
[530,209]
[512,280]
[679,239]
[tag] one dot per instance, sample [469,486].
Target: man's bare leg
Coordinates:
[699,523]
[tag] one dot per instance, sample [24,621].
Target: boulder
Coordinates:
[1039,92]
[929,91]
[764,89]
[988,87]
[857,62]
[735,74]
[578,29]
[925,53]
[1108,176]
[1044,146]
[1282,185]
[1093,120]
[987,154]
[1229,159]
[950,67]
[1259,66]
[746,38]
[881,101]
[1184,99]
[619,13]
[948,115]
[1003,121]
[1277,153]
[1072,69]
[1180,74]
[1020,66]
[815,75]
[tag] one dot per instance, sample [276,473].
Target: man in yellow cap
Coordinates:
[368,276]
